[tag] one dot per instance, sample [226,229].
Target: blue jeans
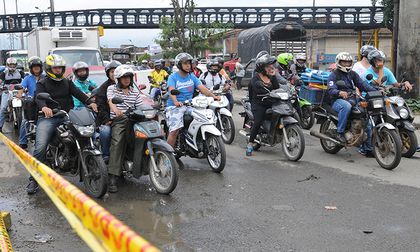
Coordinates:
[154,92]
[343,108]
[367,145]
[5,96]
[45,130]
[105,139]
[24,127]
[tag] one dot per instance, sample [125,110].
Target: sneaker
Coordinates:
[32,187]
[23,146]
[340,137]
[418,149]
[112,186]
[249,150]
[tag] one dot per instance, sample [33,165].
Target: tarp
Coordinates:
[254,40]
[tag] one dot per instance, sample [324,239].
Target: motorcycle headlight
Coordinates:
[404,113]
[400,102]
[377,103]
[209,114]
[283,95]
[86,131]
[149,114]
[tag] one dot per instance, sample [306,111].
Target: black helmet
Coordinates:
[34,61]
[374,56]
[365,50]
[263,61]
[111,65]
[213,62]
[183,57]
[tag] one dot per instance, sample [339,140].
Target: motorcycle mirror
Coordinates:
[216,87]
[175,92]
[43,96]
[142,86]
[117,100]
[369,77]
[18,87]
[341,84]
[384,79]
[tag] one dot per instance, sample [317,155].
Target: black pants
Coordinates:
[238,83]
[259,115]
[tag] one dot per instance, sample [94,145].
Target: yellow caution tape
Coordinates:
[95,225]
[5,245]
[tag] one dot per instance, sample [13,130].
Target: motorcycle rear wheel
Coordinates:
[228,133]
[96,182]
[328,146]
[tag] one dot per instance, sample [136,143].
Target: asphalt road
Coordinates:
[256,204]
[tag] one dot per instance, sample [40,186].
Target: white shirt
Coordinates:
[360,69]
[239,69]
[212,80]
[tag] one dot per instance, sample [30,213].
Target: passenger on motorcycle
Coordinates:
[103,118]
[300,64]
[195,70]
[9,76]
[342,102]
[120,126]
[156,77]
[29,85]
[260,86]
[186,82]
[81,81]
[213,77]
[62,91]
[143,65]
[363,65]
[222,71]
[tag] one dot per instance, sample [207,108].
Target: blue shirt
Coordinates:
[185,85]
[84,87]
[29,83]
[391,78]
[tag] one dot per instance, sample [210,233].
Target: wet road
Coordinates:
[256,204]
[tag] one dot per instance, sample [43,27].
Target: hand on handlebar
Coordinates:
[47,112]
[118,112]
[407,86]
[343,95]
[94,107]
[178,104]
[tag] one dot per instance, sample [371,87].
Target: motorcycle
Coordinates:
[72,151]
[224,121]
[200,138]
[370,109]
[279,125]
[303,109]
[14,109]
[151,154]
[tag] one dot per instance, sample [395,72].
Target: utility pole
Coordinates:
[22,43]
[52,5]
[312,39]
[4,6]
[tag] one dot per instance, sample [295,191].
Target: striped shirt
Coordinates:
[132,99]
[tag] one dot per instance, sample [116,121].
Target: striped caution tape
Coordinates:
[95,225]
[5,245]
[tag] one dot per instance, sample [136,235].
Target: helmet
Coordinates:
[285,59]
[172,61]
[158,63]
[111,65]
[300,57]
[54,60]
[343,56]
[261,54]
[365,50]
[264,61]
[213,62]
[81,65]
[10,62]
[122,71]
[144,61]
[182,57]
[375,55]
[34,61]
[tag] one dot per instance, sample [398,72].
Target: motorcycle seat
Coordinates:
[329,109]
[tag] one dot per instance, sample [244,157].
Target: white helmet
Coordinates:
[300,56]
[123,70]
[11,61]
[344,56]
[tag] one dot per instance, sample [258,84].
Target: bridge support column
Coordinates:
[359,44]
[376,38]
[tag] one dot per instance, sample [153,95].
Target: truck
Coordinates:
[72,43]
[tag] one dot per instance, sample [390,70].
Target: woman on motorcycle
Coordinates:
[261,85]
[81,81]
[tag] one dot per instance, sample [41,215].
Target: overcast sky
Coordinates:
[114,38]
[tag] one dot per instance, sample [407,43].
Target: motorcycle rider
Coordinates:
[29,84]
[9,76]
[260,86]
[171,66]
[81,81]
[363,65]
[186,82]
[196,71]
[103,118]
[156,77]
[213,77]
[120,126]
[341,101]
[222,69]
[300,64]
[143,65]
[62,91]
[285,61]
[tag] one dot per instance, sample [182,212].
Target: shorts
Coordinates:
[175,117]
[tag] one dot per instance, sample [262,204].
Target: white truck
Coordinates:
[73,43]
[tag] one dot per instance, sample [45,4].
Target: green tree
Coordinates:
[388,12]
[145,56]
[182,34]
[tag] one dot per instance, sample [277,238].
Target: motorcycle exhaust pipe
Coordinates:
[324,137]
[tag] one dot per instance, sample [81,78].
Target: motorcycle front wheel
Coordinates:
[96,182]
[228,132]
[296,147]
[18,118]
[387,148]
[409,143]
[216,155]
[165,179]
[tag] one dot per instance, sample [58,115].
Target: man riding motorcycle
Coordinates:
[9,76]
[363,65]
[300,64]
[81,81]
[341,101]
[62,91]
[120,127]
[29,84]
[143,65]
[103,118]
[213,77]
[186,82]
[156,77]
[259,87]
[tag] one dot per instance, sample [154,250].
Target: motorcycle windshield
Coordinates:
[81,117]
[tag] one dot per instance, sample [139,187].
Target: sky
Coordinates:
[141,37]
